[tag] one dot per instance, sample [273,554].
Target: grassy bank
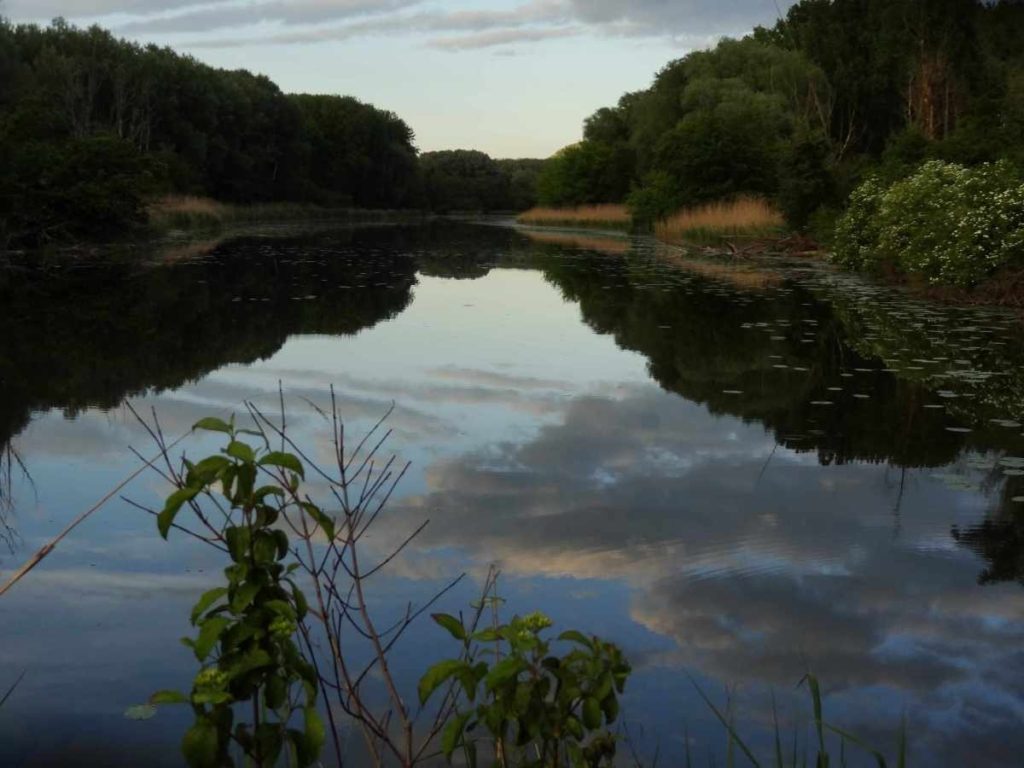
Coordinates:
[607,216]
[203,213]
[717,223]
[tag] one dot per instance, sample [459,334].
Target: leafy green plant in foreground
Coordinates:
[245,641]
[537,709]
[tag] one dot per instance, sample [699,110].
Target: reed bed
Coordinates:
[745,217]
[611,216]
[202,213]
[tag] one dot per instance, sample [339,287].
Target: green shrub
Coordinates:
[654,200]
[858,231]
[950,224]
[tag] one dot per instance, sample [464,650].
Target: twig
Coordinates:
[47,548]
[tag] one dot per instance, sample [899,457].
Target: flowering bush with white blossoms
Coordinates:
[951,224]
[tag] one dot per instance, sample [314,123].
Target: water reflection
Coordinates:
[739,469]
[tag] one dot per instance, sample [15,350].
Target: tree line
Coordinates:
[803,111]
[92,127]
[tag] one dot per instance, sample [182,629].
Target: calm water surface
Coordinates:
[736,472]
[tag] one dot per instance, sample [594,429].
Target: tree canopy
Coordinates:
[91,125]
[802,111]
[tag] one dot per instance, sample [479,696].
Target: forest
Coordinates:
[93,127]
[803,112]
[846,115]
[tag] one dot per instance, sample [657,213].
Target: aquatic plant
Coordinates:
[823,757]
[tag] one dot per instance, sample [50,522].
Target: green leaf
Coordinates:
[171,507]
[241,451]
[453,625]
[140,712]
[267,490]
[208,599]
[211,424]
[237,538]
[287,461]
[168,697]
[276,691]
[575,637]
[243,596]
[254,659]
[487,635]
[199,746]
[591,713]
[436,675]
[322,519]
[301,603]
[452,736]
[209,633]
[211,697]
[309,743]
[505,669]
[610,707]
[281,608]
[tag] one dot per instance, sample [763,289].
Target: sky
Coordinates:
[513,78]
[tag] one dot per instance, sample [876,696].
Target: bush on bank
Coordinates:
[946,223]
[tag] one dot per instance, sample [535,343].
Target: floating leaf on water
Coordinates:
[1014,462]
[1013,472]
[1018,499]
[821,402]
[140,712]
[732,391]
[860,396]
[959,430]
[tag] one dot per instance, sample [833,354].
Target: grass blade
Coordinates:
[728,727]
[778,739]
[901,758]
[879,757]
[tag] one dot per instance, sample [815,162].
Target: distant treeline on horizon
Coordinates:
[92,127]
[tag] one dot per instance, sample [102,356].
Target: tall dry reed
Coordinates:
[606,215]
[743,217]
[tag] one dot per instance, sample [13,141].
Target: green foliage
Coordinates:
[246,629]
[537,708]
[464,180]
[585,173]
[947,223]
[356,154]
[86,187]
[90,126]
[655,199]
[806,181]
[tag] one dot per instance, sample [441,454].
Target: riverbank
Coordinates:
[605,216]
[189,213]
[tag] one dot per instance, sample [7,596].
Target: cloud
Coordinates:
[288,14]
[752,577]
[443,25]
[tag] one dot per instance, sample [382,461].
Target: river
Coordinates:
[737,471]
